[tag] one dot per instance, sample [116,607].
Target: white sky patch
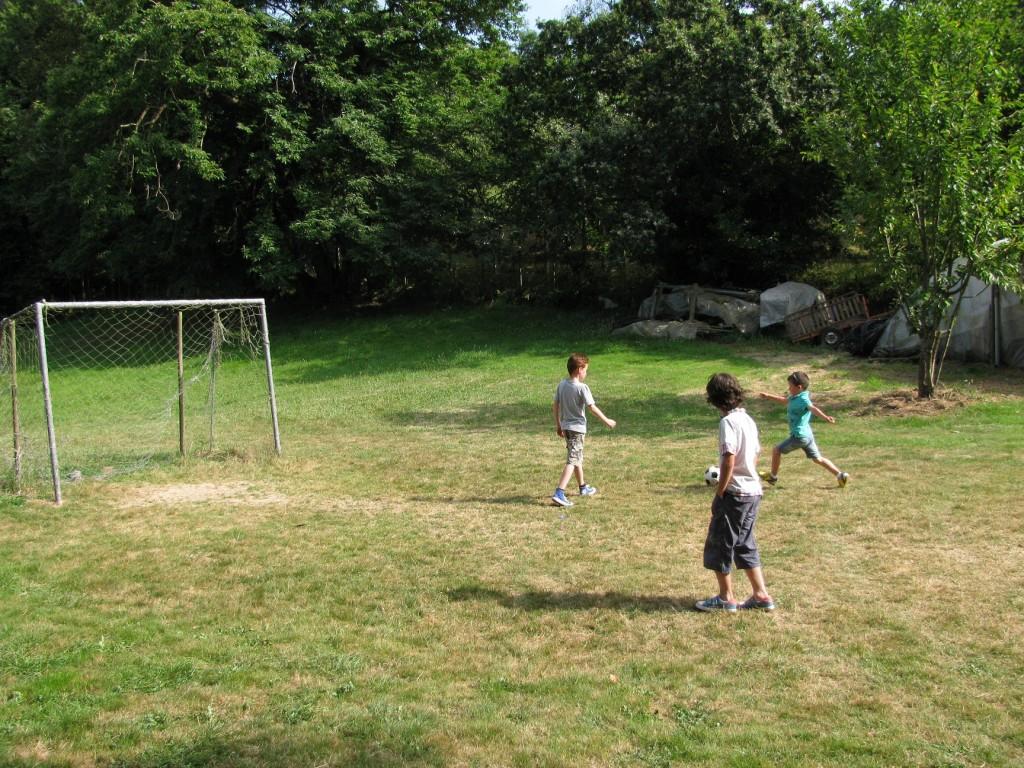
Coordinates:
[544,10]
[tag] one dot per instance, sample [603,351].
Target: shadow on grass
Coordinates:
[448,340]
[544,499]
[573,601]
[683,416]
[512,501]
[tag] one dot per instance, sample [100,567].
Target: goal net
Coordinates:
[95,389]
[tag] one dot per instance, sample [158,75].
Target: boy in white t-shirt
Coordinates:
[730,538]
[572,400]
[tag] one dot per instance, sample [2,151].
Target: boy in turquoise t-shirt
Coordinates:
[799,409]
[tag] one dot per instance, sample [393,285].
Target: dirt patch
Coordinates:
[906,403]
[236,492]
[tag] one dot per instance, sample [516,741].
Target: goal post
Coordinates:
[97,388]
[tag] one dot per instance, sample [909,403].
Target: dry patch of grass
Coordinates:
[233,493]
[38,752]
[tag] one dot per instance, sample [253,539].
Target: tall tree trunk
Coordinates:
[928,362]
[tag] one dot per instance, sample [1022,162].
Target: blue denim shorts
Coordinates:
[807,444]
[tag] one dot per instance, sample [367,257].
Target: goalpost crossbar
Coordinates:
[169,304]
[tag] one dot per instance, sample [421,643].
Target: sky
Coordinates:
[545,9]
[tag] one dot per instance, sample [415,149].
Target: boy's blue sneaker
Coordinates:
[753,604]
[559,498]
[769,478]
[715,604]
[587,490]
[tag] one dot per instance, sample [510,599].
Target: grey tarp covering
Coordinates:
[732,311]
[1011,330]
[786,298]
[663,329]
[897,340]
[989,319]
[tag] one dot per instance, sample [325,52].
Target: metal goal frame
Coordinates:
[39,310]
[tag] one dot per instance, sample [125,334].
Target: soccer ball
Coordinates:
[711,476]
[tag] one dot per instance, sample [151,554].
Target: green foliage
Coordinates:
[366,151]
[198,147]
[926,132]
[436,151]
[131,116]
[852,274]
[669,134]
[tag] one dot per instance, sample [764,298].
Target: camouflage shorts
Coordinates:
[574,448]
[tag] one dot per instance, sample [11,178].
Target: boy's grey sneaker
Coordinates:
[769,478]
[753,604]
[559,498]
[588,490]
[715,604]
[841,478]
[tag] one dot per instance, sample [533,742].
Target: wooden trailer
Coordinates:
[830,321]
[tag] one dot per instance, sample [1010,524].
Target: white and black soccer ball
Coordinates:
[711,475]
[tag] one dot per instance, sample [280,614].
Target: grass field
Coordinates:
[397,590]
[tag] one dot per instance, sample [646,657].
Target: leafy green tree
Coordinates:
[378,186]
[125,136]
[32,37]
[670,134]
[926,133]
[343,149]
[724,87]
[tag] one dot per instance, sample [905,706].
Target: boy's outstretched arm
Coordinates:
[558,420]
[610,423]
[770,396]
[821,414]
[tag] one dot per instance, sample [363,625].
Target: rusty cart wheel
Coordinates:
[831,337]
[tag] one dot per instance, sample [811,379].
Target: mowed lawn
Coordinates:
[397,589]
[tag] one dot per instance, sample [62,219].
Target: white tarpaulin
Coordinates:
[989,328]
[786,298]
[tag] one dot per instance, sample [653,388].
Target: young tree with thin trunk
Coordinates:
[925,130]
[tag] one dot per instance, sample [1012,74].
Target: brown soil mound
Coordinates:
[907,403]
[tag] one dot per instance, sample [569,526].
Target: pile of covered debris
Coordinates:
[989,328]
[688,311]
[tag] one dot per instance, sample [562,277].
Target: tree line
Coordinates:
[342,152]
[355,151]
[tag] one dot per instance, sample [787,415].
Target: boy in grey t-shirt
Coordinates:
[572,400]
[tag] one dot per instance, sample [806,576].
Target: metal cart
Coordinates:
[830,321]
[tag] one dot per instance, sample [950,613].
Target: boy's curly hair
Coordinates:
[724,391]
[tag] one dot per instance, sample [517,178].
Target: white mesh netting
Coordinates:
[114,383]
